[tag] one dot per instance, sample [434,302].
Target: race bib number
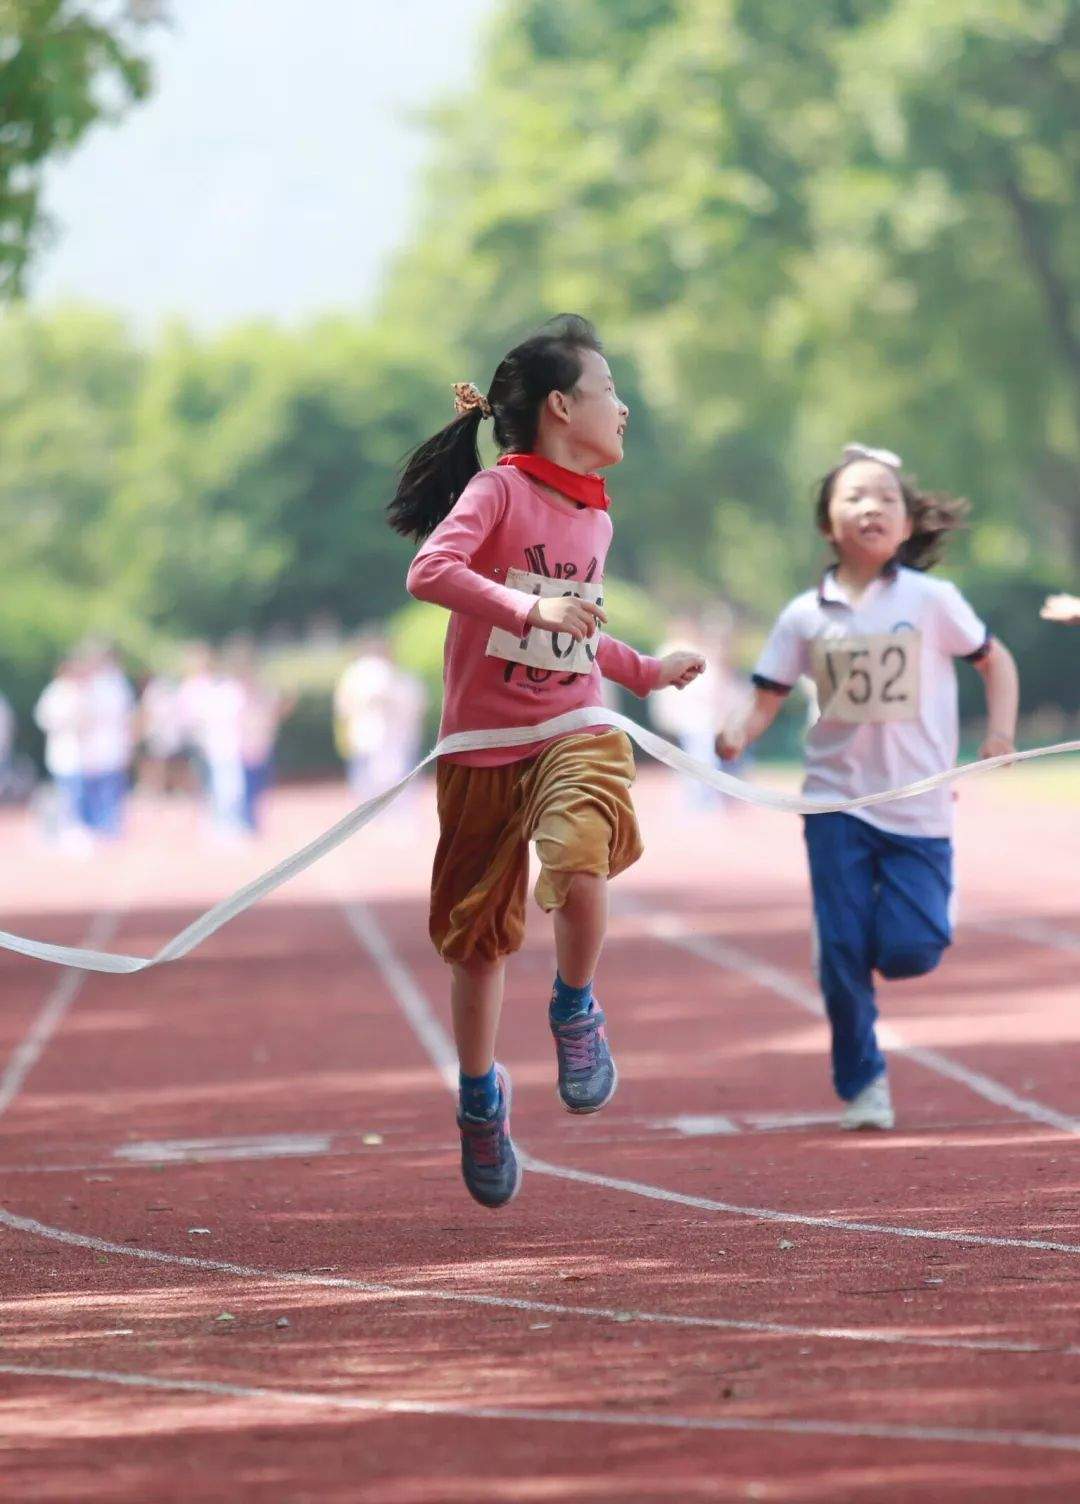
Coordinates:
[870,679]
[540,648]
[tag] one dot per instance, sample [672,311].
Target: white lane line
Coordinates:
[729,957]
[48,1020]
[773,1122]
[698,1125]
[440,1045]
[293,1278]
[965,1435]
[715,1125]
[213,1150]
[799,1219]
[1035,931]
[437,1042]
[410,997]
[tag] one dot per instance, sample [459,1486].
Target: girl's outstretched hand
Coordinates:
[997,745]
[679,669]
[1062,608]
[731,739]
[565,613]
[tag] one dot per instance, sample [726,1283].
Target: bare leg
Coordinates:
[580,926]
[476,995]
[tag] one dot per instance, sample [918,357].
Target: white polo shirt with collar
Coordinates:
[886,682]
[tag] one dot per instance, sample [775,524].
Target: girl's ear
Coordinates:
[558,406]
[909,526]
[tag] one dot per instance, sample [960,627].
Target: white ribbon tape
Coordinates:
[474,741]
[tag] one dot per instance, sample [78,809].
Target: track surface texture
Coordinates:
[238,1263]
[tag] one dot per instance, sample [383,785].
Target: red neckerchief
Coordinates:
[588,489]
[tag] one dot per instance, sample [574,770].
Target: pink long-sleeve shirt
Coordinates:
[501,521]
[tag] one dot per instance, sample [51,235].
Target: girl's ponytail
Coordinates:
[935,515]
[439,470]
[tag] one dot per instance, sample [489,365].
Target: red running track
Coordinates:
[238,1263]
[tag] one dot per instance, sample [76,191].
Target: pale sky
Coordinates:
[273,168]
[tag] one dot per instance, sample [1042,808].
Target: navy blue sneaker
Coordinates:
[489,1165]
[587,1073]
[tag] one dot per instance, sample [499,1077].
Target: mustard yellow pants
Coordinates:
[572,800]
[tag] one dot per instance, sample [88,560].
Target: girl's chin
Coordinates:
[871,550]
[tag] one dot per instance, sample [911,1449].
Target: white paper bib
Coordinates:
[868,679]
[557,652]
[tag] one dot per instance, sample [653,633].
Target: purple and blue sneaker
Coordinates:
[489,1164]
[587,1073]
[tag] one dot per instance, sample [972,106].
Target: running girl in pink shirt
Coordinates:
[516,554]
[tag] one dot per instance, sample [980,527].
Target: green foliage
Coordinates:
[259,468]
[63,68]
[795,224]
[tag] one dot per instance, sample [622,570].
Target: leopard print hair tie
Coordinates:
[468,397]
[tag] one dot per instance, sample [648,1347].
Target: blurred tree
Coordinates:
[64,66]
[67,386]
[67,389]
[259,468]
[795,224]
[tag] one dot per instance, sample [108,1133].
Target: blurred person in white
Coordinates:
[686,715]
[109,739]
[197,680]
[162,734]
[17,773]
[379,718]
[7,733]
[241,717]
[63,714]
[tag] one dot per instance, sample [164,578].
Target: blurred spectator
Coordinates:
[162,732]
[107,739]
[7,731]
[62,713]
[241,716]
[16,772]
[692,715]
[379,719]
[197,678]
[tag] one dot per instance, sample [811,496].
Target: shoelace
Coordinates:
[580,1049]
[485,1142]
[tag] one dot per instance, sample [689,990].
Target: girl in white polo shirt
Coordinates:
[879,638]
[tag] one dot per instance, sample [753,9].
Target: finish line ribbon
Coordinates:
[474,741]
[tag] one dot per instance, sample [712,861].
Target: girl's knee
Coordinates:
[476,965]
[584,887]
[567,890]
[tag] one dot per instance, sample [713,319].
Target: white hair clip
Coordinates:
[881,456]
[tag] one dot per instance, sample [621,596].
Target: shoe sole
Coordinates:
[596,1106]
[872,1126]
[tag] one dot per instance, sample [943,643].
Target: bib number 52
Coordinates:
[868,679]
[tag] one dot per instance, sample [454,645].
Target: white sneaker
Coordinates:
[872,1108]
